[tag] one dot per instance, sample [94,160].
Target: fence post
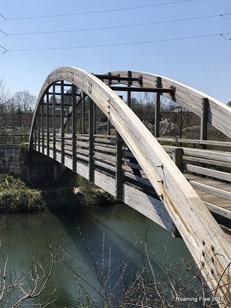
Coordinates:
[83,114]
[54,122]
[91,141]
[204,121]
[157,109]
[177,157]
[48,124]
[119,157]
[62,124]
[42,115]
[74,154]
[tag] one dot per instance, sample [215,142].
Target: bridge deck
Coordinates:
[217,199]
[215,194]
[202,184]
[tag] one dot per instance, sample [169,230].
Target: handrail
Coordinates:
[195,141]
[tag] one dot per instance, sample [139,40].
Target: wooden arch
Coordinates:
[218,114]
[199,230]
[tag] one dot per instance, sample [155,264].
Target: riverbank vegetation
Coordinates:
[90,194]
[69,193]
[26,286]
[16,196]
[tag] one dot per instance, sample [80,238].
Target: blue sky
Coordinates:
[178,39]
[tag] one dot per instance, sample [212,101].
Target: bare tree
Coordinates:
[23,101]
[19,288]
[4,97]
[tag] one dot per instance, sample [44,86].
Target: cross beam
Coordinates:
[143,89]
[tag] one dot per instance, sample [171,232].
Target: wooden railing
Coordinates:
[112,166]
[214,161]
[105,158]
[208,171]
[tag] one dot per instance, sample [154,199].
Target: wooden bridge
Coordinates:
[85,122]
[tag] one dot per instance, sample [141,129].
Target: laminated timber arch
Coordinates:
[216,113]
[206,241]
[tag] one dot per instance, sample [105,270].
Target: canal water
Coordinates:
[97,243]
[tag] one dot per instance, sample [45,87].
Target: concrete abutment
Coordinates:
[32,167]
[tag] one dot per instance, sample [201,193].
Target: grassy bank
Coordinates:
[72,192]
[69,193]
[16,196]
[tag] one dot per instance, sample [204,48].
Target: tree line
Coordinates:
[15,109]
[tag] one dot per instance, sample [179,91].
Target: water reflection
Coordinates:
[109,233]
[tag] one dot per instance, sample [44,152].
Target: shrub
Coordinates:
[15,196]
[91,194]
[21,200]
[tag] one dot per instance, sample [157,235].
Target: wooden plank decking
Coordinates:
[216,195]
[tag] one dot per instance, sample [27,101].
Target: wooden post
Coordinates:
[42,115]
[157,116]
[129,99]
[91,141]
[204,121]
[74,160]
[83,113]
[108,121]
[94,118]
[181,121]
[48,125]
[68,122]
[68,115]
[53,123]
[119,169]
[36,134]
[39,129]
[177,157]
[62,124]
[108,127]
[157,110]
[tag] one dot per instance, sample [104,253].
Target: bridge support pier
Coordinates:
[40,168]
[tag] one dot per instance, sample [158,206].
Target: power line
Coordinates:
[4,49]
[224,16]
[114,44]
[221,56]
[216,55]
[225,38]
[95,12]
[113,27]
